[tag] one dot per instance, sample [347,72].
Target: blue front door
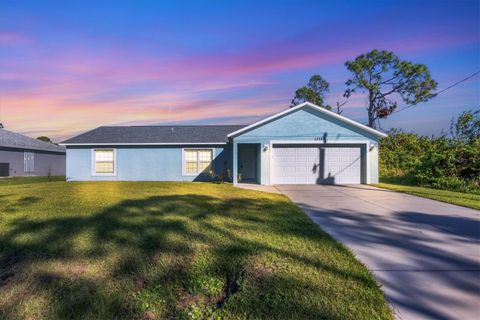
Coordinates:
[247,163]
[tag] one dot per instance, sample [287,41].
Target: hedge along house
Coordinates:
[24,156]
[301,145]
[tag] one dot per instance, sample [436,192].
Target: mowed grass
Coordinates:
[464,199]
[159,250]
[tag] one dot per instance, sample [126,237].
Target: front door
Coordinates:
[247,163]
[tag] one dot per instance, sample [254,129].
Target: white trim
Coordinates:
[367,156]
[315,107]
[95,174]
[271,164]
[318,142]
[186,174]
[145,144]
[28,161]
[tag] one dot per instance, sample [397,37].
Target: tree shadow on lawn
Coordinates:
[18,204]
[165,256]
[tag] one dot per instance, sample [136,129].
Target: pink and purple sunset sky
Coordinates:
[67,67]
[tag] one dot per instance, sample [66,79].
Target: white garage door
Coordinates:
[314,165]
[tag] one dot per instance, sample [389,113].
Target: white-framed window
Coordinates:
[28,161]
[103,162]
[196,161]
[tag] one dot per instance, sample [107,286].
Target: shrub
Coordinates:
[440,162]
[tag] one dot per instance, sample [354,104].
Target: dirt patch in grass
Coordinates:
[149,315]
[188,299]
[139,283]
[232,285]
[76,271]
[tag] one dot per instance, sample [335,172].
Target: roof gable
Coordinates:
[329,114]
[306,123]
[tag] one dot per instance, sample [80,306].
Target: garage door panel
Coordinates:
[342,165]
[315,165]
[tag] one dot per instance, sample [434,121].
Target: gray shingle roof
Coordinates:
[15,140]
[156,134]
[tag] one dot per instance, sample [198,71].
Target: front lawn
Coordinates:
[464,199]
[150,250]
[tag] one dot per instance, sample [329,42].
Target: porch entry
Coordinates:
[248,163]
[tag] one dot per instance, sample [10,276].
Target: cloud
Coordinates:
[65,119]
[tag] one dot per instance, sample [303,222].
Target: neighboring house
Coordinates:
[24,156]
[301,145]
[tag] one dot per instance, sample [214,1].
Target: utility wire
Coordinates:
[441,91]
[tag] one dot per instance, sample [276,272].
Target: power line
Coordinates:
[458,82]
[441,91]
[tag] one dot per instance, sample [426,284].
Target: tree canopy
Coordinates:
[44,138]
[388,79]
[313,92]
[467,126]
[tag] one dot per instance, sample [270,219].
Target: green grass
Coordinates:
[146,250]
[28,180]
[469,200]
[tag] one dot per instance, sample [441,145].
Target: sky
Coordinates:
[70,66]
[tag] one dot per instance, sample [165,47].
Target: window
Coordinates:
[197,161]
[104,161]
[28,161]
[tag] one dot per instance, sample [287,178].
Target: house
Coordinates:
[24,156]
[305,144]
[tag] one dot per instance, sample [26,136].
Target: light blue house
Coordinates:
[301,145]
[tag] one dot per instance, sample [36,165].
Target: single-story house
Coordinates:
[305,144]
[24,156]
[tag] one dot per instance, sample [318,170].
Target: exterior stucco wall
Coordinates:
[15,160]
[308,126]
[374,163]
[143,163]
[45,163]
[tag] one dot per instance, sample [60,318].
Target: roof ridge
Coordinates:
[28,137]
[156,134]
[18,140]
[176,125]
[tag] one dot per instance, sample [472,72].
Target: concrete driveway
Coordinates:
[425,253]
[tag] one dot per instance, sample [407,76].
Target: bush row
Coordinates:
[440,162]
